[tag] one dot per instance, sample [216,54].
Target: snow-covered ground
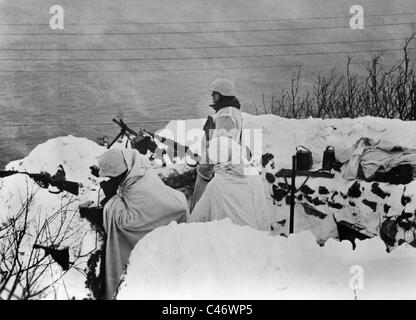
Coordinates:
[283,267]
[219,260]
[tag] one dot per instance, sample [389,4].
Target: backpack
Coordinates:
[401,174]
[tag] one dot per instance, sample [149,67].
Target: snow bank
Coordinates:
[74,153]
[220,260]
[280,136]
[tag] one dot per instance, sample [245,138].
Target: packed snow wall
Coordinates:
[220,260]
[280,137]
[369,206]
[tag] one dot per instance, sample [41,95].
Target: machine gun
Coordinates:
[125,131]
[44,180]
[144,141]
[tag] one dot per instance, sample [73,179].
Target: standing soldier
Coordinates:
[227,121]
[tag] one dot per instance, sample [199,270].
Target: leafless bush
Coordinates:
[382,93]
[27,272]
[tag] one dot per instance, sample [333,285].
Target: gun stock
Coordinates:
[44,180]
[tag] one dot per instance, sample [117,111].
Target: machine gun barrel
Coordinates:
[7,173]
[169,142]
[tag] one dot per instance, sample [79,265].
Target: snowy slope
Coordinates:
[219,260]
[280,136]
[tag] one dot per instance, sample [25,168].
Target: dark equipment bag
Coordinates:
[303,158]
[328,159]
[402,174]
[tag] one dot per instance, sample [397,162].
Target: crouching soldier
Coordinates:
[137,202]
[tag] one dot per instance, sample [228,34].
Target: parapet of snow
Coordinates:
[282,135]
[75,154]
[220,260]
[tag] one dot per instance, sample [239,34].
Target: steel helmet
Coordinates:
[223,86]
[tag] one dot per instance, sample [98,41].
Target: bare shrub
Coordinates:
[382,93]
[27,272]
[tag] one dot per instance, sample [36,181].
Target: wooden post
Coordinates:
[292,196]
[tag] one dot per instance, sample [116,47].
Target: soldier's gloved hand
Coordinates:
[109,188]
[95,171]
[86,204]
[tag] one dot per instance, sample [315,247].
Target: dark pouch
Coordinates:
[94,215]
[303,158]
[328,158]
[402,174]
